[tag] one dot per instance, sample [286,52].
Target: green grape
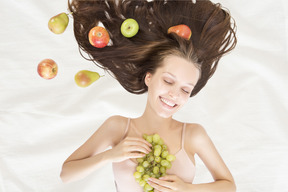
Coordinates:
[157,159]
[163,169]
[148,187]
[164,147]
[154,164]
[156,138]
[157,152]
[138,180]
[156,170]
[145,177]
[170,157]
[140,169]
[169,165]
[149,139]
[152,175]
[164,154]
[158,147]
[142,183]
[164,163]
[150,159]
[145,164]
[137,175]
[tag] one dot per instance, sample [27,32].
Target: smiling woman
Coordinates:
[170,68]
[172,84]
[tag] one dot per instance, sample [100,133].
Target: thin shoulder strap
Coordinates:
[126,129]
[183,135]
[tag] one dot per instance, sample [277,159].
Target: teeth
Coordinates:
[168,102]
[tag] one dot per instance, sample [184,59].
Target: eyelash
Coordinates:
[169,83]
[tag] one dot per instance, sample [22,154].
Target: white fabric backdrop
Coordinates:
[243,107]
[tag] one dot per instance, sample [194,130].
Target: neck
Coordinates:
[153,122]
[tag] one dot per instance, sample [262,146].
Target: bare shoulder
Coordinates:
[195,130]
[116,126]
[116,121]
[197,134]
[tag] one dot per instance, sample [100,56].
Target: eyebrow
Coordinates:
[191,84]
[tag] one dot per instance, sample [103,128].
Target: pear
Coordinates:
[85,78]
[58,23]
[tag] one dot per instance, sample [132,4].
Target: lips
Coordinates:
[168,103]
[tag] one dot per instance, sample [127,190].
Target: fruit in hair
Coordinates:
[98,37]
[181,30]
[129,28]
[84,78]
[58,23]
[47,69]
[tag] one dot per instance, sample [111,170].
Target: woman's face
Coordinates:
[171,85]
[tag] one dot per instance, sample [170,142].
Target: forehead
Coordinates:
[180,68]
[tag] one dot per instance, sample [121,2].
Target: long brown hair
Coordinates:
[129,59]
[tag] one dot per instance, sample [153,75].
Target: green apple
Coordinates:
[58,23]
[129,28]
[84,78]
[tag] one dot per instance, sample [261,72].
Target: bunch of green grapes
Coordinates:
[155,163]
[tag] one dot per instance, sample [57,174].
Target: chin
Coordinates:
[165,116]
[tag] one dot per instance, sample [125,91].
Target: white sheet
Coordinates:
[243,107]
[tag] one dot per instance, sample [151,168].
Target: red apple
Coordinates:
[98,37]
[181,30]
[47,69]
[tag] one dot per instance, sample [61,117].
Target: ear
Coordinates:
[148,79]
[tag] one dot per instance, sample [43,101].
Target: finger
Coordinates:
[140,140]
[158,187]
[137,143]
[170,178]
[135,155]
[161,184]
[138,149]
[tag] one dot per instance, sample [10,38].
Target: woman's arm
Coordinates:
[205,149]
[94,154]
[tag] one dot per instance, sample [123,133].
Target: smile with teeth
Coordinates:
[167,102]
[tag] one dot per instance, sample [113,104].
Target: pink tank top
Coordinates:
[123,171]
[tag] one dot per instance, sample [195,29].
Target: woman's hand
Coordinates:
[168,183]
[130,147]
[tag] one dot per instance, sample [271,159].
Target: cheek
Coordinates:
[184,99]
[157,87]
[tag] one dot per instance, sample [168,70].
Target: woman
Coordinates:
[170,69]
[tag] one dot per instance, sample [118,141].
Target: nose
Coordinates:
[173,92]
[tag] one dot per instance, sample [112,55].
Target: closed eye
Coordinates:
[168,82]
[187,92]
